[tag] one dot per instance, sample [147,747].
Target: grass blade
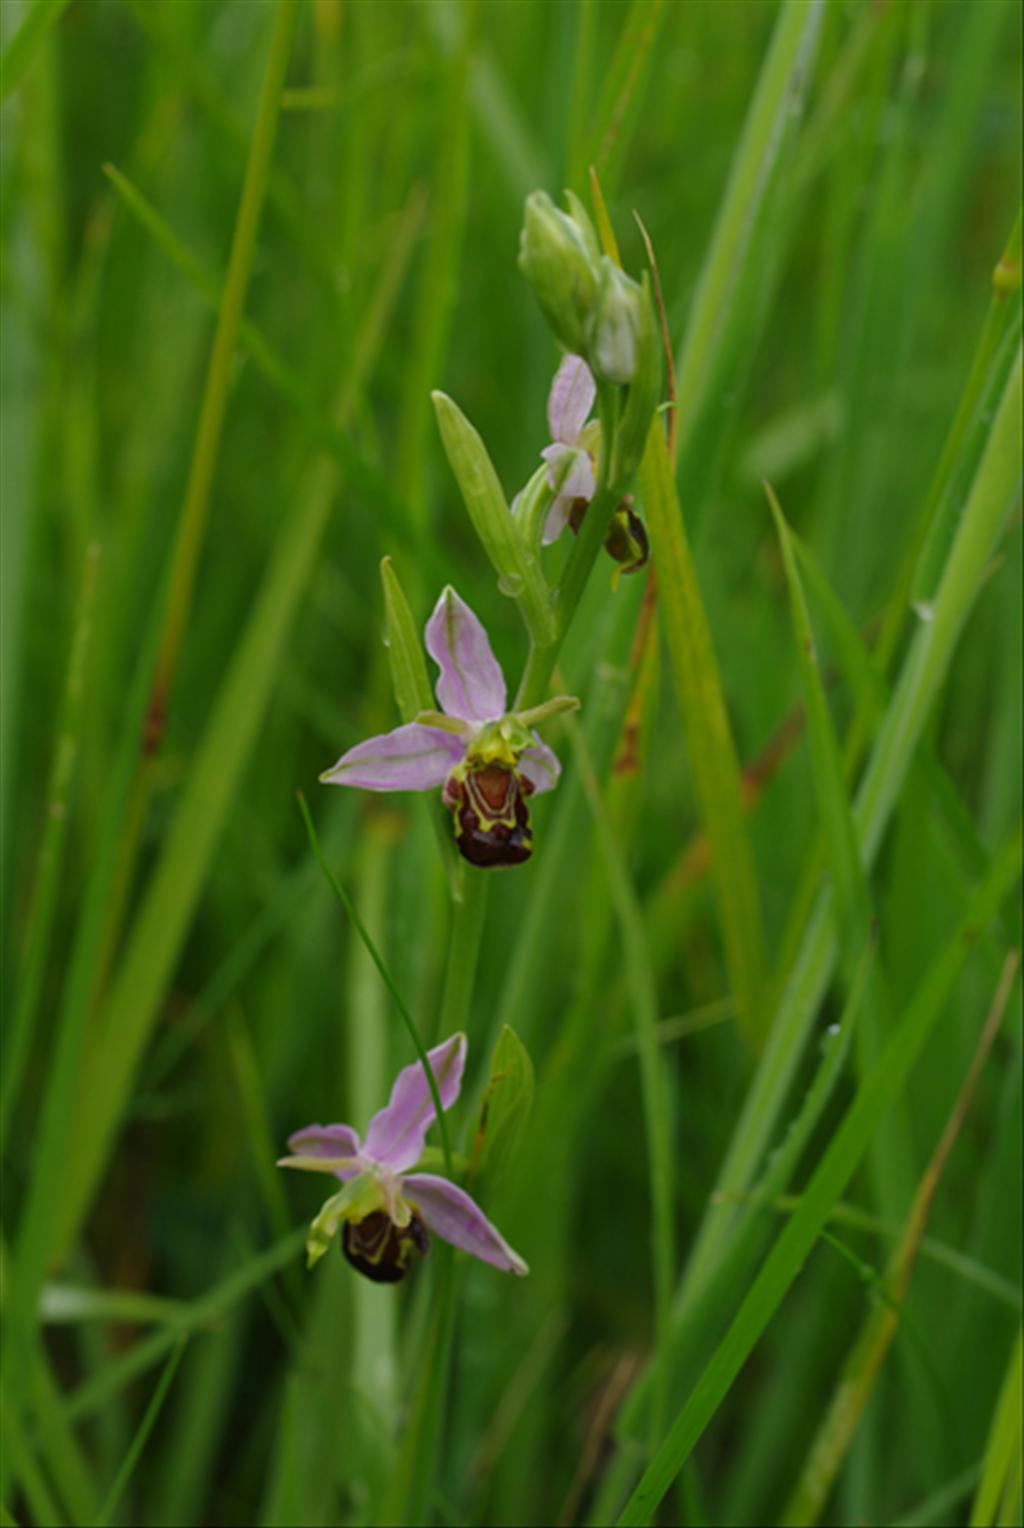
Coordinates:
[138,1443]
[992,494]
[17,56]
[868,1351]
[846,1149]
[711,749]
[644,994]
[998,1495]
[782,80]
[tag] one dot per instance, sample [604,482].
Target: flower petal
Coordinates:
[540,766]
[471,685]
[450,1213]
[330,1141]
[579,483]
[557,520]
[411,758]
[397,1132]
[570,400]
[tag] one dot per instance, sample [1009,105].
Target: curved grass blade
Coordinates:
[755,168]
[999,1490]
[644,994]
[17,56]
[992,495]
[840,1161]
[44,899]
[146,1426]
[867,1353]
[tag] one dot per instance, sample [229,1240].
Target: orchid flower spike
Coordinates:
[384,1210]
[486,759]
[569,404]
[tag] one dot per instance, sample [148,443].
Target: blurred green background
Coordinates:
[171,956]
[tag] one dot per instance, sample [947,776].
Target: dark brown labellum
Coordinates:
[382,1250]
[492,824]
[627,540]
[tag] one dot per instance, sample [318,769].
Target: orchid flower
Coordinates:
[384,1210]
[570,401]
[486,759]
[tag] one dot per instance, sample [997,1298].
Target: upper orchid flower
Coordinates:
[487,759]
[384,1210]
[570,400]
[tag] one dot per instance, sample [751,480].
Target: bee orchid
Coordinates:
[486,760]
[384,1210]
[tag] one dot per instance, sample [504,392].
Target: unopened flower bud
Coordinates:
[616,325]
[554,258]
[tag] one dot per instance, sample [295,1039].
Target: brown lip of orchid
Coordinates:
[486,760]
[385,1209]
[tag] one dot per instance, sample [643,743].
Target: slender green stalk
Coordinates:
[782,77]
[468,918]
[51,850]
[146,1426]
[643,988]
[712,751]
[209,430]
[17,56]
[385,976]
[215,393]
[998,1497]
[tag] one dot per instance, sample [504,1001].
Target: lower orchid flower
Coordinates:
[486,759]
[385,1211]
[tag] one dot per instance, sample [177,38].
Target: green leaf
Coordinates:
[999,1490]
[851,893]
[712,751]
[409,678]
[505,1107]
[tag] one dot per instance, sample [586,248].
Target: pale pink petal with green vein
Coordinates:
[397,1132]
[470,685]
[570,400]
[411,758]
[450,1213]
[331,1141]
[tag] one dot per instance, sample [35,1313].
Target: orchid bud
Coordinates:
[615,326]
[642,396]
[554,258]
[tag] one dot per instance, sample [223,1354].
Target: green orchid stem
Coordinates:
[540,665]
[371,949]
[408,1500]
[468,918]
